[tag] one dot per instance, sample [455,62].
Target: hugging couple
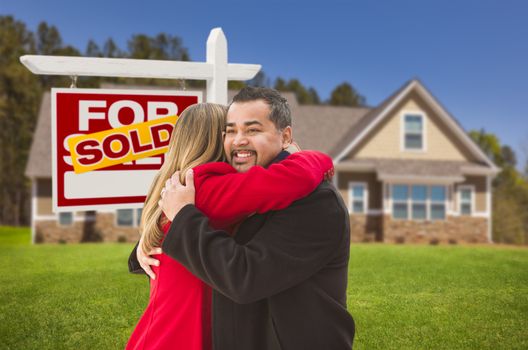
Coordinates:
[245,241]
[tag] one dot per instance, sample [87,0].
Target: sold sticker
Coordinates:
[120,145]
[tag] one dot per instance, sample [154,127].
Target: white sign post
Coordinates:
[216,70]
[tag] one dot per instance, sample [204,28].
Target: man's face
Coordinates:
[251,137]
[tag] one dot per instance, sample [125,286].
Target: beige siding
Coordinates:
[44,206]
[386,141]
[374,187]
[479,183]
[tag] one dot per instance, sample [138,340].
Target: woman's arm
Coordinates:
[226,196]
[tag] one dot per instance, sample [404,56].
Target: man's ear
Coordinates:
[286,137]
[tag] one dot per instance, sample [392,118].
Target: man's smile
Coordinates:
[242,156]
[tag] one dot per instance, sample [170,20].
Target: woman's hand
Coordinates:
[175,196]
[145,261]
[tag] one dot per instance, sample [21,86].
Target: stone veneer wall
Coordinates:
[365,228]
[50,231]
[461,229]
[101,229]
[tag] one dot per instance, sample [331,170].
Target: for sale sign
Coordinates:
[109,144]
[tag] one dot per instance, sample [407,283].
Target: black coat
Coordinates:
[281,282]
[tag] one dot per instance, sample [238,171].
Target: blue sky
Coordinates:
[472,55]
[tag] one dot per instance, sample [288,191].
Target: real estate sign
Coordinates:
[109,144]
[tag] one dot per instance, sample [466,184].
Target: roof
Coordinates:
[39,161]
[430,170]
[321,127]
[361,130]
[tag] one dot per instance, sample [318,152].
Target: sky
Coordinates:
[471,54]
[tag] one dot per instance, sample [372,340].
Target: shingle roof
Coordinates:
[321,127]
[412,168]
[39,162]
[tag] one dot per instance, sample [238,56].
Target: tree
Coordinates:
[489,144]
[111,50]
[304,95]
[92,49]
[48,39]
[260,80]
[524,150]
[508,156]
[345,95]
[20,94]
[510,191]
[161,47]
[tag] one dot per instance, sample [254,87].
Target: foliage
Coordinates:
[304,95]
[345,95]
[80,296]
[510,191]
[21,92]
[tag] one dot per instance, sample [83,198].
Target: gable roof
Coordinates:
[360,131]
[322,127]
[39,160]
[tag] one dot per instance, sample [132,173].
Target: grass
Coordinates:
[14,235]
[401,296]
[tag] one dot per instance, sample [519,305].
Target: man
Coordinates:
[280,282]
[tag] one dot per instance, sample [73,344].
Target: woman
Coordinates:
[178,313]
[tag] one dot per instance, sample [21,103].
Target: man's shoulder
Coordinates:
[325,192]
[324,202]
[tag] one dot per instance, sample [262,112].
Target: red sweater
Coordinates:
[178,315]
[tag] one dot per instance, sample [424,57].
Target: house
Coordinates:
[406,169]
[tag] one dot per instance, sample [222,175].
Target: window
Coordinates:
[357,194]
[438,205]
[400,194]
[466,200]
[128,217]
[66,219]
[418,202]
[138,216]
[413,132]
[125,217]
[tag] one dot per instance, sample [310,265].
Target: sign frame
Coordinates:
[54,145]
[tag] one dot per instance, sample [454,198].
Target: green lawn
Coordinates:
[401,296]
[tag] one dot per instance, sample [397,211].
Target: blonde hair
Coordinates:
[196,139]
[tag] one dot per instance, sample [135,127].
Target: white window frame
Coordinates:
[135,218]
[351,185]
[403,147]
[461,188]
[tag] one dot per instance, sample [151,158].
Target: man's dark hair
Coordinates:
[280,113]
